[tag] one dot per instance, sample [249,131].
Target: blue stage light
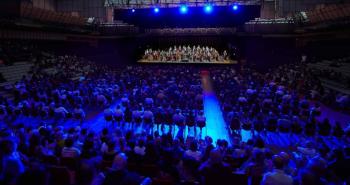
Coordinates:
[156,10]
[208,8]
[235,7]
[183,9]
[133,10]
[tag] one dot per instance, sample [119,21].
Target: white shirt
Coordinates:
[148,114]
[194,154]
[125,100]
[108,112]
[61,110]
[79,111]
[118,113]
[149,101]
[140,150]
[178,118]
[277,177]
[242,99]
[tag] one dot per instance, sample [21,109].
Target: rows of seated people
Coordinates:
[287,99]
[61,156]
[335,70]
[15,51]
[43,93]
[283,98]
[334,73]
[56,96]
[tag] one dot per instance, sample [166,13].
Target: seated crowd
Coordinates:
[284,100]
[57,155]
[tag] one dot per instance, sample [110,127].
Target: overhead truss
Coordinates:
[129,4]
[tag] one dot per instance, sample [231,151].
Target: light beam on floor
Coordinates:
[215,124]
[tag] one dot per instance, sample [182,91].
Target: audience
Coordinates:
[144,136]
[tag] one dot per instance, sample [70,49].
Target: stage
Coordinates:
[227,62]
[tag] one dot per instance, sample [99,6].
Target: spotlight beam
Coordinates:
[183,9]
[156,10]
[208,8]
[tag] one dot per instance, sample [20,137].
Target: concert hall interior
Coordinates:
[174,92]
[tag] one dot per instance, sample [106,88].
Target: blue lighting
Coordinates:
[156,10]
[235,7]
[208,8]
[133,10]
[183,9]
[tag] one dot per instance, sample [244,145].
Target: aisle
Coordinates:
[216,126]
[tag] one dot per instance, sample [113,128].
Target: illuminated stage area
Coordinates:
[187,54]
[188,62]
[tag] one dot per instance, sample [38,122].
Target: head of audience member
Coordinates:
[208,140]
[120,162]
[278,162]
[8,146]
[193,146]
[306,177]
[215,157]
[317,166]
[258,157]
[69,142]
[285,157]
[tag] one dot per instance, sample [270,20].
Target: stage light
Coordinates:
[133,10]
[235,7]
[208,8]
[183,9]
[156,10]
